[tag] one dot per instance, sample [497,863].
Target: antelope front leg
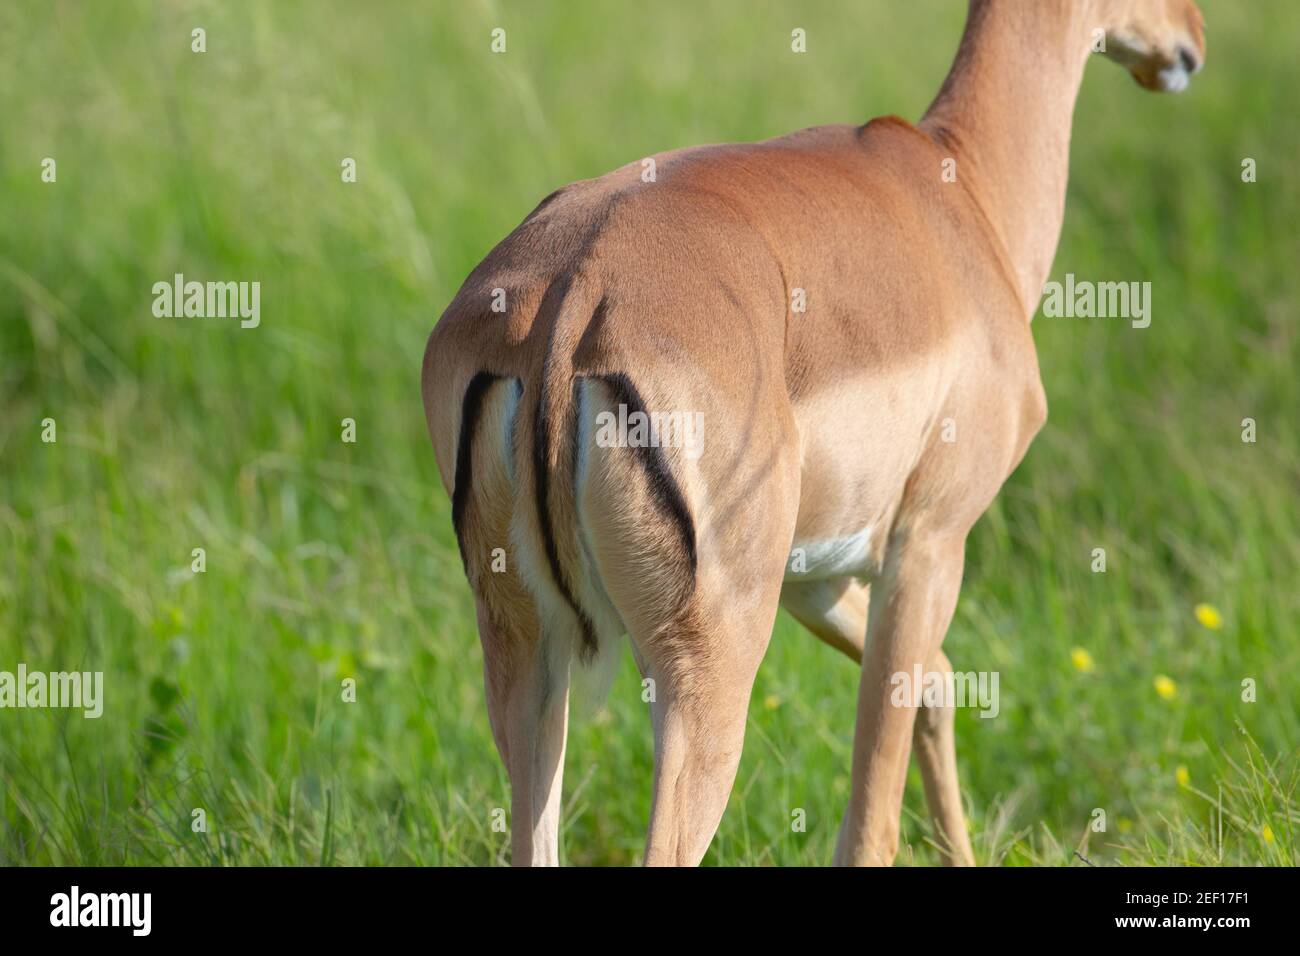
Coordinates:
[936,754]
[908,619]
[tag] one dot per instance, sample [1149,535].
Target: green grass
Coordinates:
[328,560]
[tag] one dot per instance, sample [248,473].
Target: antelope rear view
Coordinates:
[793,372]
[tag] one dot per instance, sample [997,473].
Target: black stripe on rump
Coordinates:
[541,483]
[663,485]
[471,409]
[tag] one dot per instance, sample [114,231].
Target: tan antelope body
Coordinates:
[851,327]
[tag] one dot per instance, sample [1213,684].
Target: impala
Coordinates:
[847,309]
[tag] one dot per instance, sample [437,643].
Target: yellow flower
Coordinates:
[1124,824]
[1165,687]
[1082,660]
[1182,776]
[1209,616]
[771,702]
[1267,833]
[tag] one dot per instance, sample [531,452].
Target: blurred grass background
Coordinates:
[328,560]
